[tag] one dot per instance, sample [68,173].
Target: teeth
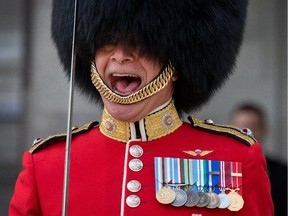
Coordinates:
[124,84]
[119,93]
[124,75]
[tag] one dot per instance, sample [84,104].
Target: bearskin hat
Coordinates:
[201,38]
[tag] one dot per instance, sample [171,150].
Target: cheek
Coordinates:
[101,63]
[152,69]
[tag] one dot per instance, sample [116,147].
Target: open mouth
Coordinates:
[124,84]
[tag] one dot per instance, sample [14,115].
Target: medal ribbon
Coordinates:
[205,174]
[228,179]
[168,171]
[236,175]
[201,174]
[188,177]
[210,175]
[194,173]
[198,183]
[189,171]
[185,170]
[214,175]
[177,171]
[167,168]
[174,171]
[222,176]
[159,173]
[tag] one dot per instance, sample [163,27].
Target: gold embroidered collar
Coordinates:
[153,126]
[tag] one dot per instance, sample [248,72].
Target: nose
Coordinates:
[122,55]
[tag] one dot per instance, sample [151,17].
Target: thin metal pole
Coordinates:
[69,118]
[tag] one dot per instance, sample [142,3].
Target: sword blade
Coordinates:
[69,118]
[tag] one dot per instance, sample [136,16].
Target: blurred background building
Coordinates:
[34,90]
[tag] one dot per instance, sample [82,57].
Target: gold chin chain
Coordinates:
[150,89]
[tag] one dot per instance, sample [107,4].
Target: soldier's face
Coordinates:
[252,120]
[124,71]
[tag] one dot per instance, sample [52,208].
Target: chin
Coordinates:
[137,111]
[130,113]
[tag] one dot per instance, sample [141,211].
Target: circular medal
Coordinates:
[225,201]
[237,201]
[214,200]
[204,199]
[192,198]
[181,198]
[165,195]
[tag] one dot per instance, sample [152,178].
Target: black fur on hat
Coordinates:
[200,37]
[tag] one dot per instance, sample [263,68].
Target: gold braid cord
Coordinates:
[150,89]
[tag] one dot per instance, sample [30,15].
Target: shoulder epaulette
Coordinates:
[40,143]
[208,125]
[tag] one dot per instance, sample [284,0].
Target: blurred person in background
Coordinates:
[252,116]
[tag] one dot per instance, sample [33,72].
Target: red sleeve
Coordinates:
[25,199]
[256,185]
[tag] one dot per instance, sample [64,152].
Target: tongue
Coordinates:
[125,87]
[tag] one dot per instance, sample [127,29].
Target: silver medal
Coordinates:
[192,198]
[214,200]
[225,201]
[204,199]
[181,198]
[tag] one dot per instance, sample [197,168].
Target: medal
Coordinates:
[236,176]
[163,168]
[213,180]
[181,198]
[204,199]
[210,177]
[165,195]
[202,180]
[214,200]
[192,198]
[237,201]
[225,200]
[191,176]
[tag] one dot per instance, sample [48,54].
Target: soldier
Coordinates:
[150,62]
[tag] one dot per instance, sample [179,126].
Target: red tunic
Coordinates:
[97,168]
[100,167]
